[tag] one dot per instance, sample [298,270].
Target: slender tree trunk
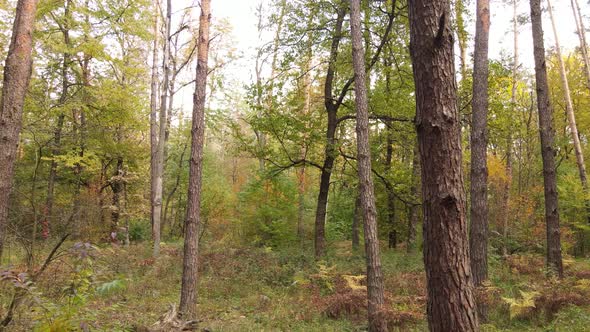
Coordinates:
[505,213]
[117,187]
[451,304]
[569,108]
[159,186]
[415,191]
[154,113]
[478,240]
[579,19]
[392,238]
[17,74]
[188,293]
[377,321]
[547,133]
[330,150]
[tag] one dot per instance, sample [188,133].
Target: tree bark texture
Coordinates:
[375,286]
[17,74]
[451,305]
[478,240]
[547,133]
[188,294]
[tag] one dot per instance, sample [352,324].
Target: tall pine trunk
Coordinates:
[478,240]
[547,133]
[375,286]
[17,74]
[188,293]
[451,304]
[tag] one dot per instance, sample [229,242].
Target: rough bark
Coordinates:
[451,305]
[375,286]
[17,74]
[188,293]
[547,133]
[478,240]
[569,109]
[330,150]
[159,163]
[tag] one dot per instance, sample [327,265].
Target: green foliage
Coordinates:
[139,230]
[269,211]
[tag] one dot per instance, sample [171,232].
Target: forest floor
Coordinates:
[117,288]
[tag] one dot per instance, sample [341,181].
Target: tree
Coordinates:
[451,305]
[17,74]
[154,115]
[160,158]
[569,109]
[478,239]
[547,133]
[366,189]
[188,292]
[580,28]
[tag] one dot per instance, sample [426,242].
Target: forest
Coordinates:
[294,165]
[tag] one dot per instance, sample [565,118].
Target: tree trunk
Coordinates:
[505,213]
[117,187]
[154,114]
[546,130]
[462,36]
[571,117]
[17,74]
[579,19]
[478,240]
[451,304]
[330,150]
[159,186]
[377,321]
[188,293]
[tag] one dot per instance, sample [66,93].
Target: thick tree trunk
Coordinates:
[478,240]
[330,150]
[188,293]
[377,321]
[451,304]
[154,113]
[569,108]
[159,185]
[546,130]
[17,74]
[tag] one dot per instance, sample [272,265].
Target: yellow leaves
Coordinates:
[522,306]
[355,282]
[498,177]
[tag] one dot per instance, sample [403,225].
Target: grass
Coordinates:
[258,289]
